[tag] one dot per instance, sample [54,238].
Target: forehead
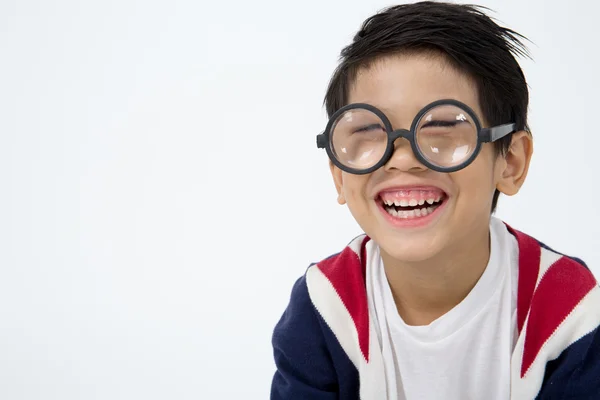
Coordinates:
[401,85]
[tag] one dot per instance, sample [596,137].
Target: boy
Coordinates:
[439,299]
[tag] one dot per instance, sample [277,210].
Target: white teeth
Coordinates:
[412,202]
[417,212]
[405,214]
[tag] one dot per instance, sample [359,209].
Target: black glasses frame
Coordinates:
[484,135]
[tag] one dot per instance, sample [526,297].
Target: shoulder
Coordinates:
[303,366]
[564,305]
[342,273]
[549,275]
[313,348]
[551,286]
[325,283]
[329,299]
[558,314]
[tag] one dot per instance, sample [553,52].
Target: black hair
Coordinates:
[470,41]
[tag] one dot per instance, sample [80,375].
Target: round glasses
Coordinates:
[445,136]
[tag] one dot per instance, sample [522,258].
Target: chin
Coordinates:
[414,250]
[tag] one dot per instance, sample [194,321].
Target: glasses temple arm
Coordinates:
[321,141]
[497,132]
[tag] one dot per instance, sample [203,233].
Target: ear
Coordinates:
[336,173]
[515,163]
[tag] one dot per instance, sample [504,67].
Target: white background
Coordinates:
[161,189]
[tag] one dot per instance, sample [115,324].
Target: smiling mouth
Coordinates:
[411,204]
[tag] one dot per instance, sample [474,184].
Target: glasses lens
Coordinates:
[446,136]
[358,139]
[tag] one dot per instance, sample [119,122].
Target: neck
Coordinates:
[424,291]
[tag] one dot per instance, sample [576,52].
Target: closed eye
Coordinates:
[368,128]
[442,124]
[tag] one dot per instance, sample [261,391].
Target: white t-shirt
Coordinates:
[464,354]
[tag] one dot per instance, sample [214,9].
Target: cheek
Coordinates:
[355,191]
[477,182]
[354,197]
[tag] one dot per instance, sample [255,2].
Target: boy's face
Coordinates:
[401,86]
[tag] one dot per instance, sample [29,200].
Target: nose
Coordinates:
[403,158]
